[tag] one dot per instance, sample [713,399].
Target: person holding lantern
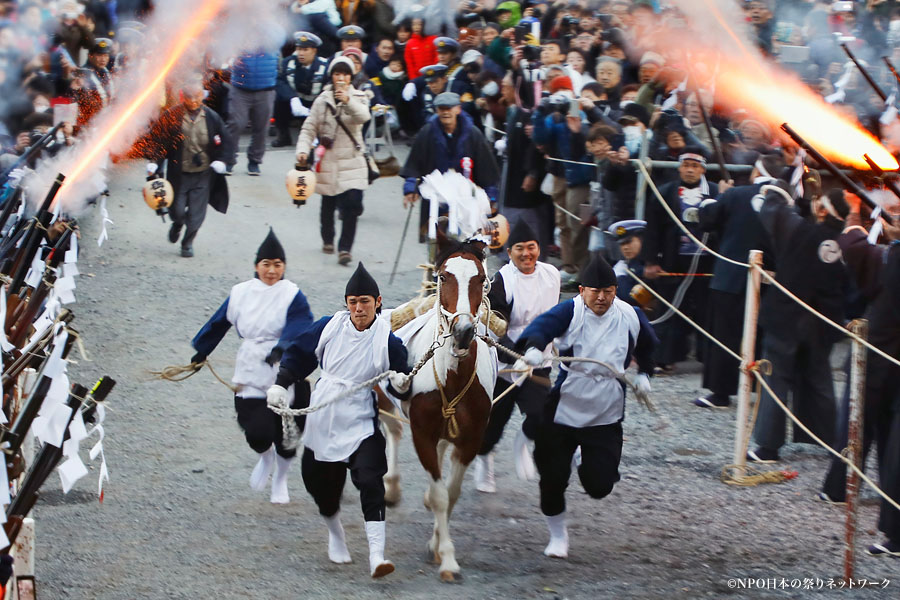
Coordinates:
[268,312]
[336,118]
[193,139]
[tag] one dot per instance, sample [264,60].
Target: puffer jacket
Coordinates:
[255,72]
[343,167]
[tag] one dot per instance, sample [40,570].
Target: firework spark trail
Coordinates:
[184,38]
[774,95]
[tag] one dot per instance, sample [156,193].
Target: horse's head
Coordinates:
[462,284]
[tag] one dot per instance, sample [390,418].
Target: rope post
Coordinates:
[640,199]
[748,352]
[857,385]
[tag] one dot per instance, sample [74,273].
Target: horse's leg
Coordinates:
[435,497]
[393,430]
[448,495]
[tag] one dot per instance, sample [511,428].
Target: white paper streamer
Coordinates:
[104,219]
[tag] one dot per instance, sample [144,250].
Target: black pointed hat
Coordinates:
[521,233]
[597,274]
[270,249]
[361,284]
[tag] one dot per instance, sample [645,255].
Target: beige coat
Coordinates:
[343,166]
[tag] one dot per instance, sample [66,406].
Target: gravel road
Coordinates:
[180,521]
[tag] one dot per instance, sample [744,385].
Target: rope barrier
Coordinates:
[822,317]
[819,441]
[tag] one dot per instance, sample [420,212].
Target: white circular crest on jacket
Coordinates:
[829,251]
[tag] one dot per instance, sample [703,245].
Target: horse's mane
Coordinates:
[451,247]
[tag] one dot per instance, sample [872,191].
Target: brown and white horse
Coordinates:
[451,394]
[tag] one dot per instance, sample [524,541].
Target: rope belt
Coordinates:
[448,409]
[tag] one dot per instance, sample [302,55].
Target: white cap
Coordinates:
[470,56]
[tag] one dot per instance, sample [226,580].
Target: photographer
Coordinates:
[571,187]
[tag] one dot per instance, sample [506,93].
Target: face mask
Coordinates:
[490,89]
[633,136]
[41,108]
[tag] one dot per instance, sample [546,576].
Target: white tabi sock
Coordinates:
[263,469]
[559,537]
[484,473]
[337,545]
[279,481]
[378,565]
[525,468]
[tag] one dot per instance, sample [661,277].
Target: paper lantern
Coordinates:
[498,229]
[301,184]
[158,194]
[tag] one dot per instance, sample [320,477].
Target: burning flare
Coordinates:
[773,96]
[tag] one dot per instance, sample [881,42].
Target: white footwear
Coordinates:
[484,474]
[525,468]
[263,469]
[566,277]
[559,537]
[279,481]
[576,459]
[337,545]
[378,566]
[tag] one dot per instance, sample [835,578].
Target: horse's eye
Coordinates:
[443,277]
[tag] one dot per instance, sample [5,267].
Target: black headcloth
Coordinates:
[521,233]
[361,284]
[597,274]
[270,249]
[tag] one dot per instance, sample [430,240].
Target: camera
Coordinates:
[604,18]
[472,4]
[569,22]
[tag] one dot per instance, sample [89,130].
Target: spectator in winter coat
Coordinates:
[251,101]
[420,50]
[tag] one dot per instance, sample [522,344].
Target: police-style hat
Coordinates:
[623,230]
[102,46]
[446,99]
[446,44]
[432,72]
[305,39]
[351,32]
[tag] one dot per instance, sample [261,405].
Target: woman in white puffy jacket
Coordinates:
[336,119]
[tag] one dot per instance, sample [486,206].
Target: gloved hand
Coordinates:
[16,175]
[500,145]
[522,369]
[197,361]
[409,91]
[534,357]
[152,168]
[276,396]
[218,166]
[274,356]
[400,382]
[642,383]
[297,108]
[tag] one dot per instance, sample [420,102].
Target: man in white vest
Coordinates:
[587,403]
[522,289]
[352,346]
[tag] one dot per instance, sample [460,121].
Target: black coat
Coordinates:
[166,142]
[522,159]
[808,263]
[662,237]
[736,224]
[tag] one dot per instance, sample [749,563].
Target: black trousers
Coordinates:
[601,451]
[325,480]
[675,333]
[262,427]
[349,205]
[881,424]
[531,399]
[189,207]
[801,371]
[726,319]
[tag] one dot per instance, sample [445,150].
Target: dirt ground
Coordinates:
[180,521]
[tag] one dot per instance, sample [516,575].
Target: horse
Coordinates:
[451,394]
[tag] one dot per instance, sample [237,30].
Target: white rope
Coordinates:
[837,326]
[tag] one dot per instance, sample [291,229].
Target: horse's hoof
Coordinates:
[450,577]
